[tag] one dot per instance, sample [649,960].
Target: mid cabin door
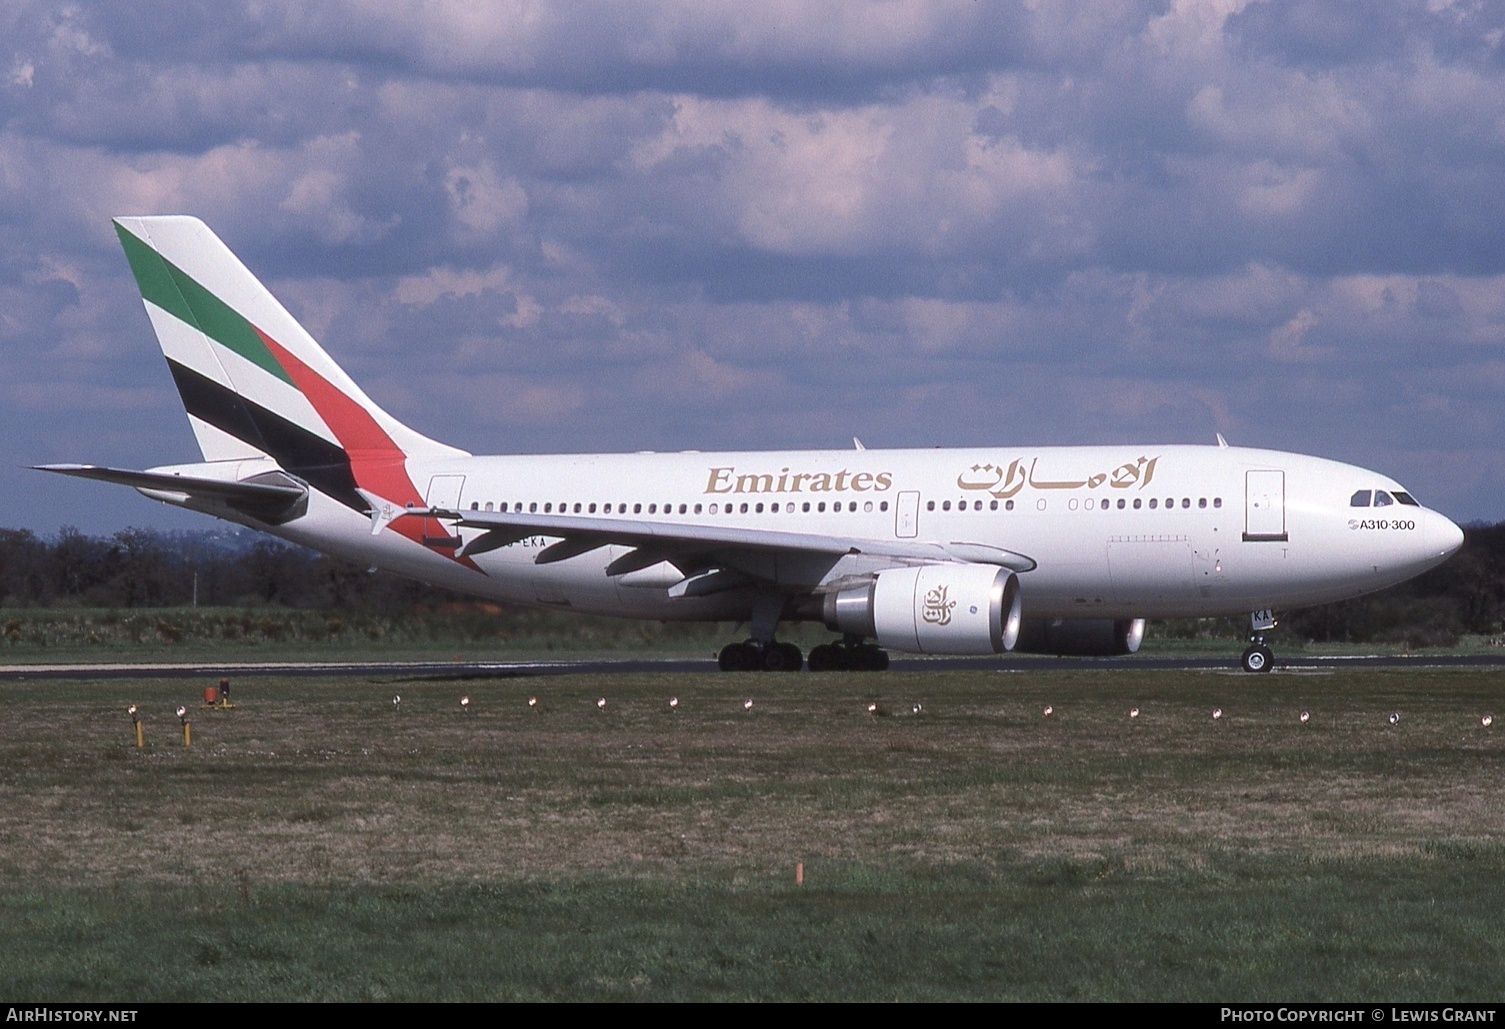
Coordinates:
[907,515]
[1265,505]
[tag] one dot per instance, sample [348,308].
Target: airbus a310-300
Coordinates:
[977,550]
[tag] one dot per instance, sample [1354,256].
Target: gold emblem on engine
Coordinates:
[937,609]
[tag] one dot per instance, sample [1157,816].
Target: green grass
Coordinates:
[318,842]
[1029,932]
[60,635]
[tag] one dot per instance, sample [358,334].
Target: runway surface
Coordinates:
[626,666]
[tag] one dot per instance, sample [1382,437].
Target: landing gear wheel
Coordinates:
[824,658]
[782,657]
[759,657]
[1258,658]
[738,657]
[840,657]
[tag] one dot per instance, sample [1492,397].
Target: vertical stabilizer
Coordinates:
[252,380]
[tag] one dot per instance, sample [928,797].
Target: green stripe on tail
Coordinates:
[174,291]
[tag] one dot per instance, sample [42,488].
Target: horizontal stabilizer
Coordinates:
[272,497]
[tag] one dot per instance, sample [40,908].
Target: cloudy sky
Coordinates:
[537,226]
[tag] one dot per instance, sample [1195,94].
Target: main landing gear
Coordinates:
[848,655]
[762,653]
[1258,657]
[753,656]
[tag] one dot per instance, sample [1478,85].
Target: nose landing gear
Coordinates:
[1258,657]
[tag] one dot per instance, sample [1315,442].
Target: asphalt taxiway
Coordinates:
[627,666]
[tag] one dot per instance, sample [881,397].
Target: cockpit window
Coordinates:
[1359,499]
[1382,499]
[1406,498]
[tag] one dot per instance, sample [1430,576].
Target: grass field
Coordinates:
[320,842]
[64,634]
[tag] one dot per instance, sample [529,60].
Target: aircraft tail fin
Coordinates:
[253,381]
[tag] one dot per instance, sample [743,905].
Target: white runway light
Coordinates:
[1133,712]
[600,703]
[1048,711]
[918,708]
[1394,717]
[397,700]
[872,708]
[464,702]
[747,704]
[673,703]
[1217,713]
[1305,716]
[1487,721]
[532,701]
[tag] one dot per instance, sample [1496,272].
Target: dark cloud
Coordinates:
[577,227]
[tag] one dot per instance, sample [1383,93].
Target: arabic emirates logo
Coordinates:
[937,609]
[1004,482]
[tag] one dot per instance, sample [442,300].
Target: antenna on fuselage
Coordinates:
[858,443]
[1222,443]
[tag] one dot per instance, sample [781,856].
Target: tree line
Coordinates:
[145,568]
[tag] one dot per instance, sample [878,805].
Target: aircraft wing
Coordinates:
[269,496]
[654,541]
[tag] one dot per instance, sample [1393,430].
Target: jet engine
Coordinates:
[1080,637]
[932,609]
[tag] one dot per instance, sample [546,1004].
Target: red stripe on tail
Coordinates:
[376,461]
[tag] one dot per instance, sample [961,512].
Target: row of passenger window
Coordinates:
[746,507]
[821,506]
[1089,503]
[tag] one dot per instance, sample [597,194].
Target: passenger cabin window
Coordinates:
[1360,499]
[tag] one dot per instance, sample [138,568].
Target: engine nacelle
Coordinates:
[932,609]
[1081,637]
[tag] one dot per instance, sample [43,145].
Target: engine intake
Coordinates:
[1081,637]
[932,609]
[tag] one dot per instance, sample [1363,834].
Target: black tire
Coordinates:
[1258,658]
[827,657]
[794,658]
[774,658]
[734,657]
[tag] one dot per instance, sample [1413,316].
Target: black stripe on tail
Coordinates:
[324,465]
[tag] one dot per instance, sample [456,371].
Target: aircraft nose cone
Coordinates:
[1445,535]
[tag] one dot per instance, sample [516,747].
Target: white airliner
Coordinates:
[976,550]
